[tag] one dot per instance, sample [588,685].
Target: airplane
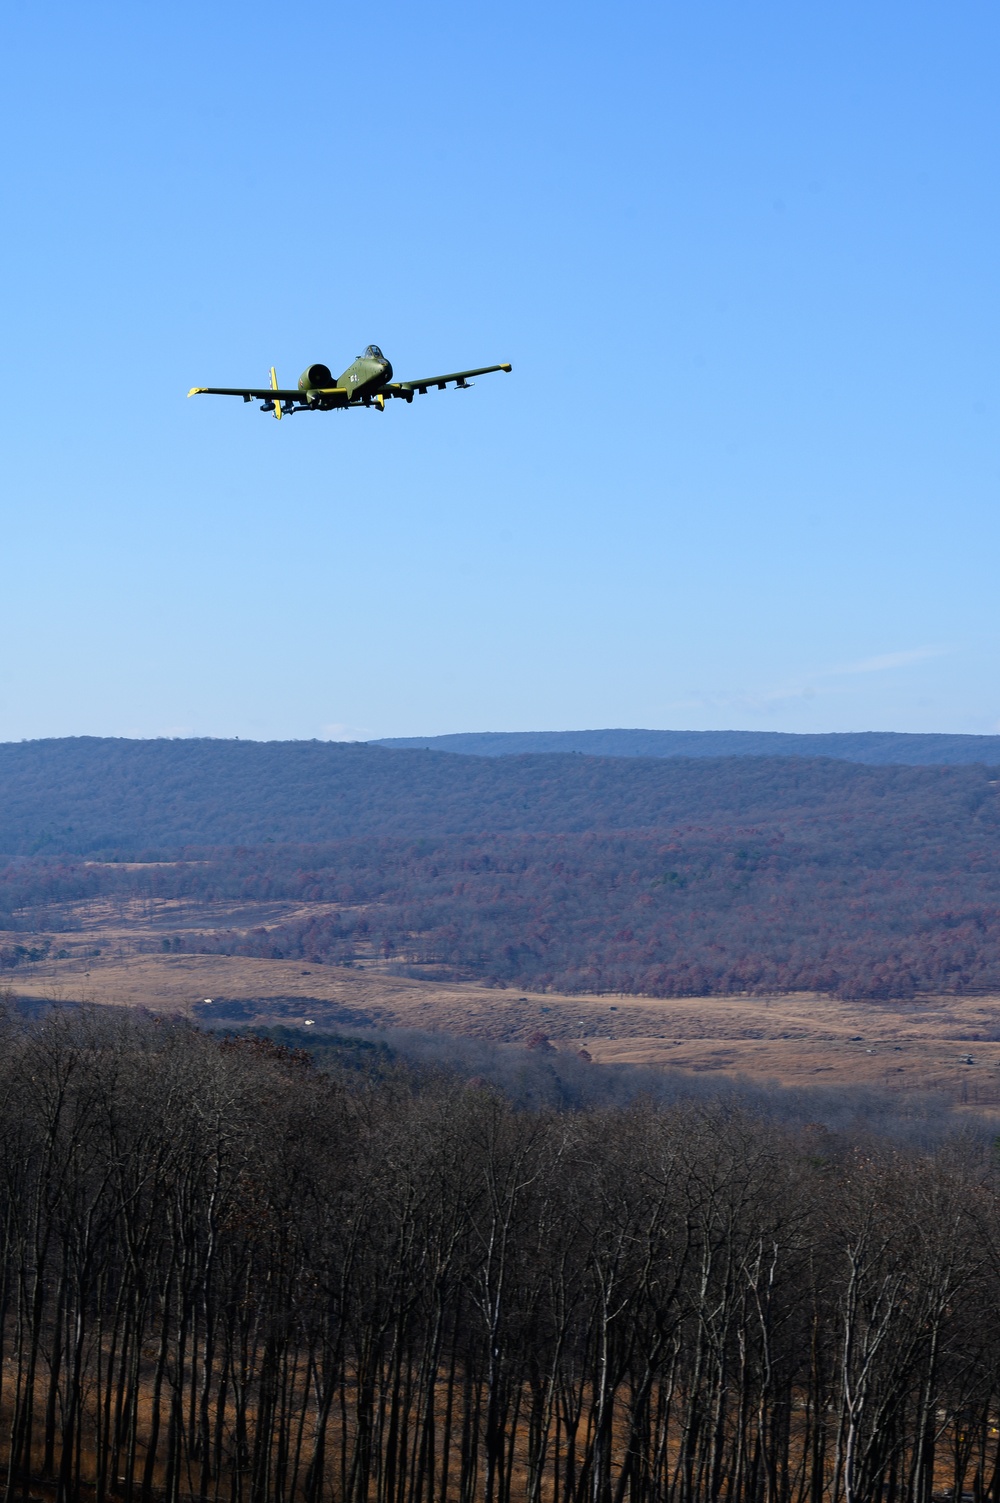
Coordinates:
[365,383]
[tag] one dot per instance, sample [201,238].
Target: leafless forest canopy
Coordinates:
[98,797]
[227,1274]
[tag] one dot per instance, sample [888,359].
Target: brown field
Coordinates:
[950,1044]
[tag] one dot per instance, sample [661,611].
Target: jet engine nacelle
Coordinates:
[316,375]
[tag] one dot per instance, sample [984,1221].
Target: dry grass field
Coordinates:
[111,954]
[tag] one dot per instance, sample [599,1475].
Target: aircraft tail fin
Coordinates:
[274,387]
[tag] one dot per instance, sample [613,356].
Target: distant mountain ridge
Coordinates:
[876,748]
[82,795]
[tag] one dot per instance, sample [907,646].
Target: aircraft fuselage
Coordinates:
[363,378]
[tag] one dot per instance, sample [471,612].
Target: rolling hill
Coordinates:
[657,876]
[92,795]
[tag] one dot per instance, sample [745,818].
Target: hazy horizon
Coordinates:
[870,745]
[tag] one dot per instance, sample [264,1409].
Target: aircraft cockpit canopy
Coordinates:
[374,353]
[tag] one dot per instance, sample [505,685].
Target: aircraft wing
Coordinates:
[407,388]
[248,393]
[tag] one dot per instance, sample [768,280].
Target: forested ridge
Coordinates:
[570,873]
[226,1274]
[94,796]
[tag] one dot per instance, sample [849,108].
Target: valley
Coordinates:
[110,953]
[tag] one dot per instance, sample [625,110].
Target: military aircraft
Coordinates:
[365,383]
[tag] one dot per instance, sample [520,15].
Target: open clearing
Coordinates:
[112,955]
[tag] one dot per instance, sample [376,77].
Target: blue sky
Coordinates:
[743,258]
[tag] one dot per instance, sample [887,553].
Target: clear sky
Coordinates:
[743,256]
